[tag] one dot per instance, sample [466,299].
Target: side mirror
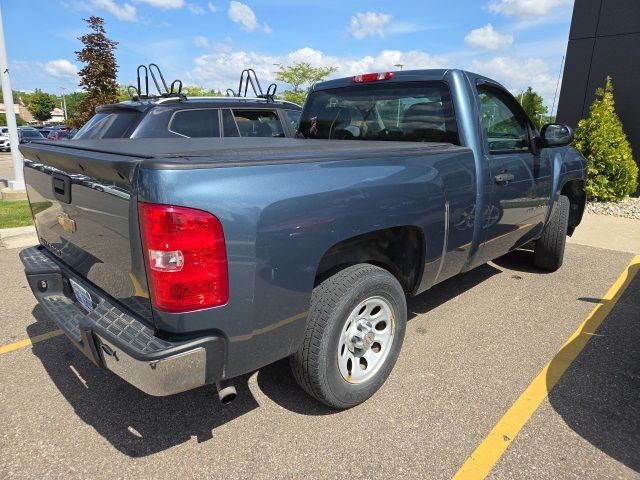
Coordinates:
[556,134]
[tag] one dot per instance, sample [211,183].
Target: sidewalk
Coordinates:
[18,237]
[605,231]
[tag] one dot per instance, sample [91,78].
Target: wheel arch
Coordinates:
[399,250]
[575,191]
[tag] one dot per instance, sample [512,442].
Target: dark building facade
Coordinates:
[604,40]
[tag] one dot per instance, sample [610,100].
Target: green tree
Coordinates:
[301,76]
[19,119]
[123,93]
[533,104]
[612,174]
[73,101]
[40,105]
[98,77]
[198,91]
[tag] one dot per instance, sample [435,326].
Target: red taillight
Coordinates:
[185,256]
[371,77]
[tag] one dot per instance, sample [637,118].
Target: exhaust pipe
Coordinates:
[226,391]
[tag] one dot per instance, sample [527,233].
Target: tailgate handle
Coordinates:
[61,187]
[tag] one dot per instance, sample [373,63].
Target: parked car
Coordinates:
[219,256]
[25,135]
[197,117]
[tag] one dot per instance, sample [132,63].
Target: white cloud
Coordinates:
[201,41]
[517,74]
[125,13]
[267,29]
[526,8]
[212,7]
[196,9]
[242,14]
[163,4]
[486,38]
[61,68]
[368,24]
[396,28]
[221,69]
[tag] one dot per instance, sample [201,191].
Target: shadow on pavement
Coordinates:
[599,394]
[135,423]
[449,289]
[520,260]
[138,425]
[276,382]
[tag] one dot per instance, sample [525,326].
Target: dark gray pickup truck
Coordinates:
[177,263]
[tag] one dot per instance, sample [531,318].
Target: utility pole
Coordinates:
[18,182]
[64,103]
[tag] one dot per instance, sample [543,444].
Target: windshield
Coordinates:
[411,111]
[108,125]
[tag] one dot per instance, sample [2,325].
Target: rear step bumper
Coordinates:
[112,338]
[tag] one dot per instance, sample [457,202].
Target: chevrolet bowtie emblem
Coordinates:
[68,225]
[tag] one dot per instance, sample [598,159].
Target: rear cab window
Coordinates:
[114,124]
[408,111]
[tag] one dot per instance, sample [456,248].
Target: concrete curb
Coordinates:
[18,237]
[13,195]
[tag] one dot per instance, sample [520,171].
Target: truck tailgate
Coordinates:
[85,213]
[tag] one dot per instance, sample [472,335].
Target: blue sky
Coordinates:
[517,42]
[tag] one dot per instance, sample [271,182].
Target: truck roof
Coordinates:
[219,102]
[435,74]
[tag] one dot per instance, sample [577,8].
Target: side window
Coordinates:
[195,123]
[229,124]
[258,123]
[505,128]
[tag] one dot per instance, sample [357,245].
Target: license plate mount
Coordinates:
[82,296]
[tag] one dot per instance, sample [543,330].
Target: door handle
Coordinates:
[504,178]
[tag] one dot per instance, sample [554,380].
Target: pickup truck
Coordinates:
[199,260]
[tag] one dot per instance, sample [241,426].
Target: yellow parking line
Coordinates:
[29,341]
[490,450]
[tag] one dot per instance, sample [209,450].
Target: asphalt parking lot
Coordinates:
[473,345]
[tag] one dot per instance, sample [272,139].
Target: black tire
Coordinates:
[315,365]
[548,253]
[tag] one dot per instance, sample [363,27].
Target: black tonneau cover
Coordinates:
[172,153]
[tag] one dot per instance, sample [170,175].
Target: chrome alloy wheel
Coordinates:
[366,339]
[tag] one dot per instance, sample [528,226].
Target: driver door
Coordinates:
[520,181]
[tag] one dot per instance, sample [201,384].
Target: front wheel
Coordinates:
[354,334]
[548,253]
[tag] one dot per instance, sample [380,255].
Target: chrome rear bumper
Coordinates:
[114,339]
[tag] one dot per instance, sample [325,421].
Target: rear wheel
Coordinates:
[354,334]
[548,253]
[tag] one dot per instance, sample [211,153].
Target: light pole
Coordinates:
[64,103]
[18,182]
[399,65]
